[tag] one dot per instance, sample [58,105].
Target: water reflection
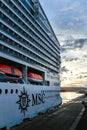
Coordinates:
[67,96]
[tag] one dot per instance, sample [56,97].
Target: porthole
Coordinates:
[16,91]
[0,91]
[12,91]
[6,91]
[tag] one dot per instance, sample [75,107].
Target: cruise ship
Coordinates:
[29,62]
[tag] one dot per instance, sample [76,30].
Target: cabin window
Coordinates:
[1,5]
[0,91]
[16,91]
[47,83]
[2,26]
[12,91]
[56,84]
[6,91]
[2,36]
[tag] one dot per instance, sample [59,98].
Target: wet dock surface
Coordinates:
[66,117]
[82,125]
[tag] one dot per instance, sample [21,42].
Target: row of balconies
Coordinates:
[35,38]
[21,41]
[7,40]
[45,25]
[40,19]
[22,30]
[33,21]
[19,31]
[33,33]
[21,56]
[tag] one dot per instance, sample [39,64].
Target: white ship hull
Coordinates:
[20,101]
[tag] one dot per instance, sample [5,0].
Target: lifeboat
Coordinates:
[10,70]
[34,76]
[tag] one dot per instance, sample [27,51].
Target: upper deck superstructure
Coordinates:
[26,36]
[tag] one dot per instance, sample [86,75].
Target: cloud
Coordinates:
[74,51]
[84,56]
[79,43]
[84,73]
[64,69]
[72,44]
[71,7]
[70,58]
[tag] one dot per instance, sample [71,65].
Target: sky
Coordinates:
[68,19]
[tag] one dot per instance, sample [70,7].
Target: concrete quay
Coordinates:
[68,116]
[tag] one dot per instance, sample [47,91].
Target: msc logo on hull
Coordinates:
[24,100]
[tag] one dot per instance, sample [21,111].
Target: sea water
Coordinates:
[68,96]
